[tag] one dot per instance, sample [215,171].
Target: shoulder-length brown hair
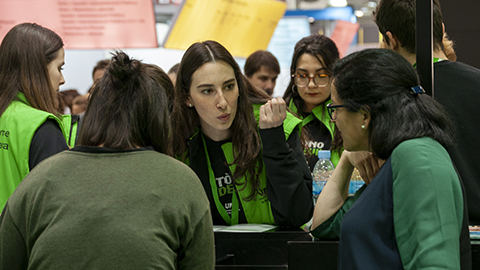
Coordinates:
[316,45]
[25,53]
[185,120]
[128,108]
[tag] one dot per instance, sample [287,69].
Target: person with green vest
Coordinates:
[31,129]
[252,172]
[308,94]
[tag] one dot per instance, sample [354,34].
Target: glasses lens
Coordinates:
[321,80]
[301,81]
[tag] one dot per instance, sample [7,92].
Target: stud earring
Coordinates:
[363,126]
[190,105]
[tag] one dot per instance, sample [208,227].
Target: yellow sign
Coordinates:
[242,26]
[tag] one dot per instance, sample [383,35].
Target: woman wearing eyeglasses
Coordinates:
[412,215]
[309,92]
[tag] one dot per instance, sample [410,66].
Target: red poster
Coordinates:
[92,24]
[343,35]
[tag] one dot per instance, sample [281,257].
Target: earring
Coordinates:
[293,90]
[363,126]
[190,105]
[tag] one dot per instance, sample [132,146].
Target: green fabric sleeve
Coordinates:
[13,251]
[198,251]
[427,205]
[330,229]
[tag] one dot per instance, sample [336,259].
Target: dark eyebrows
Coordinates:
[229,81]
[204,85]
[304,70]
[211,85]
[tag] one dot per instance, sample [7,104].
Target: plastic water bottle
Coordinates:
[356,182]
[322,171]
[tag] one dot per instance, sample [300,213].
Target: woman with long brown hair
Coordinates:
[31,129]
[249,175]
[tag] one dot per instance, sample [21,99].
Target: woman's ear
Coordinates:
[366,116]
[188,102]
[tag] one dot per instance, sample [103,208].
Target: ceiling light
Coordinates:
[338,3]
[358,13]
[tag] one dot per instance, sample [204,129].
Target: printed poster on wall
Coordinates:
[92,24]
[343,35]
[242,26]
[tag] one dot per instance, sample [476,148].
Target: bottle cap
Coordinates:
[324,154]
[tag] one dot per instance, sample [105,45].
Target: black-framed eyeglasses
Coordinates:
[331,110]
[320,80]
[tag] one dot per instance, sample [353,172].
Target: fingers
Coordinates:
[278,105]
[370,169]
[366,163]
[272,113]
[262,113]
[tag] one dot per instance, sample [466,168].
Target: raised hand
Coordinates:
[273,113]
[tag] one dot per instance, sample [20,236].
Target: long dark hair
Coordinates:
[245,139]
[25,53]
[128,108]
[315,45]
[379,81]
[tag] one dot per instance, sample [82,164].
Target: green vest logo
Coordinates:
[4,133]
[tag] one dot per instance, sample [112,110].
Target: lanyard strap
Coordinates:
[308,119]
[435,60]
[213,184]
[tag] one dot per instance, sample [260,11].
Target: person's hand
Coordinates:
[272,113]
[366,163]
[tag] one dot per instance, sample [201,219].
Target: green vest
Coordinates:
[18,124]
[258,210]
[320,112]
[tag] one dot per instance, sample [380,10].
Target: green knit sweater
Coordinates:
[97,208]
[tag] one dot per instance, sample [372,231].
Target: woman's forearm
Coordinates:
[334,193]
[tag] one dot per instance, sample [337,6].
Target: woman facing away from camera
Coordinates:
[412,215]
[308,93]
[116,201]
[250,175]
[31,128]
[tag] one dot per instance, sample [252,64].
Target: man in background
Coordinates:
[262,69]
[456,87]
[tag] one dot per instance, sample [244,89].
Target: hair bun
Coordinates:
[123,68]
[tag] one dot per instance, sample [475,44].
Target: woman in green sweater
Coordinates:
[412,215]
[116,201]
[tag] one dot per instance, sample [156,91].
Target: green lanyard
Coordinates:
[308,119]
[435,60]
[213,184]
